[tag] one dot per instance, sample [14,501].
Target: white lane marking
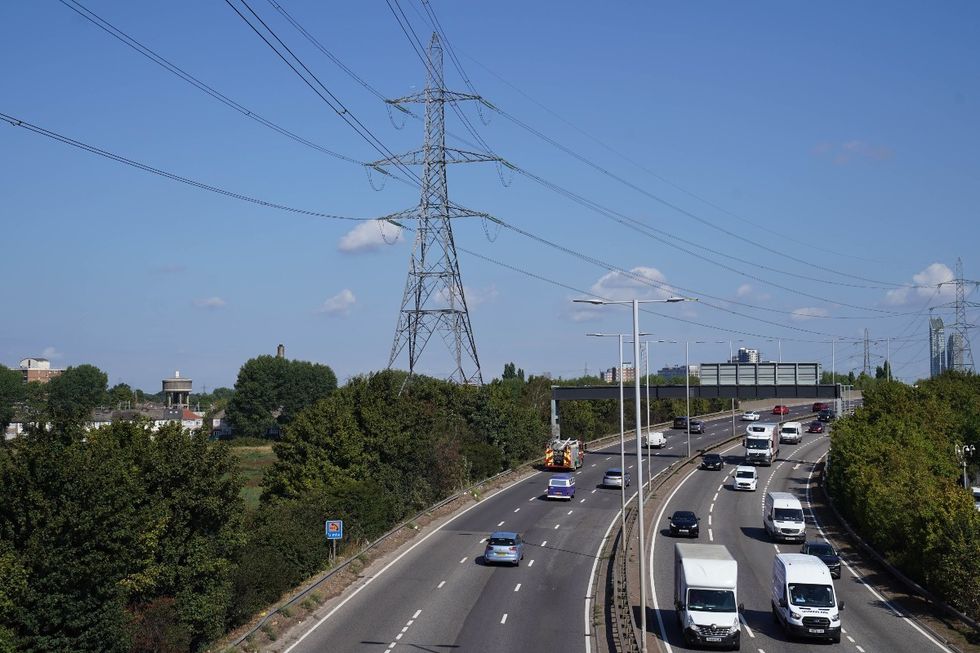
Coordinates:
[582,501]
[404,629]
[545,543]
[721,487]
[397,559]
[532,498]
[439,586]
[776,546]
[588,588]
[850,639]
[500,524]
[391,646]
[715,498]
[709,520]
[517,588]
[409,622]
[593,492]
[594,464]
[859,648]
[556,526]
[517,509]
[608,457]
[416,615]
[569,512]
[860,578]
[746,624]
[630,467]
[398,636]
[483,540]
[503,619]
[530,564]
[797,466]
[462,561]
[711,537]
[711,507]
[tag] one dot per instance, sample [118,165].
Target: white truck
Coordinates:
[791,433]
[655,439]
[706,595]
[761,444]
[803,597]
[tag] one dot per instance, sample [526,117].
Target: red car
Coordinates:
[780,410]
[816,426]
[818,406]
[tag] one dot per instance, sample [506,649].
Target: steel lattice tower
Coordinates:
[867,352]
[434,301]
[961,355]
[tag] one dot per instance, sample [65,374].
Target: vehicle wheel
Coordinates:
[517,563]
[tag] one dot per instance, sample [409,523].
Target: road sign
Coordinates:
[335,529]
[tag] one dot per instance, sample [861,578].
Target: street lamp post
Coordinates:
[639,459]
[964,452]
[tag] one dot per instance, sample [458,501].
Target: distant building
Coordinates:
[612,374]
[178,391]
[38,369]
[747,356]
[937,347]
[954,352]
[677,371]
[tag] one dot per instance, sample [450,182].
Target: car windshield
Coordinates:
[757,443]
[745,474]
[502,541]
[711,600]
[788,514]
[558,482]
[712,457]
[757,429]
[684,516]
[614,472]
[813,596]
[820,550]
[789,429]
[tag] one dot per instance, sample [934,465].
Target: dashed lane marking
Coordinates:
[545,543]
[569,512]
[462,561]
[517,509]
[582,501]
[715,498]
[711,536]
[416,615]
[517,588]
[531,563]
[500,524]
[439,586]
[556,526]
[503,619]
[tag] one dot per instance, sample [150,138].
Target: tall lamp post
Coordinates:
[964,452]
[639,457]
[622,428]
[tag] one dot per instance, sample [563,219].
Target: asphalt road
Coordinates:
[438,595]
[734,519]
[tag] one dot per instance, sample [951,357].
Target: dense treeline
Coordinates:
[894,474]
[124,539]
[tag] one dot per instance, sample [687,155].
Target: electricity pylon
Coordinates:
[434,301]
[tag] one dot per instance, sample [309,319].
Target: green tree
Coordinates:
[12,392]
[73,395]
[271,391]
[120,394]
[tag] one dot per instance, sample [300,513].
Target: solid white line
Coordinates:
[588,588]
[861,579]
[397,558]
[517,588]
[503,619]
[439,586]
[746,624]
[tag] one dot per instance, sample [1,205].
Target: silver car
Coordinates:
[614,477]
[504,546]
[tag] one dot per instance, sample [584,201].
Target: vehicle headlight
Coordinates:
[795,615]
[690,622]
[835,617]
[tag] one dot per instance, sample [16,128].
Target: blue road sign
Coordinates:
[334,529]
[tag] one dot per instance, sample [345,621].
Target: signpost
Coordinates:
[334,530]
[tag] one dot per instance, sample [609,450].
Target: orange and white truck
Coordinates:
[564,455]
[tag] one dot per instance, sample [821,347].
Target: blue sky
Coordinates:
[822,158]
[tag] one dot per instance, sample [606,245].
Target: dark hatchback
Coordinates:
[685,522]
[697,426]
[826,415]
[815,426]
[826,553]
[712,461]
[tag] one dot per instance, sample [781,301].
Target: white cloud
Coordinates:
[843,153]
[744,290]
[209,303]
[640,283]
[584,314]
[474,296]
[808,313]
[339,305]
[370,236]
[51,353]
[924,287]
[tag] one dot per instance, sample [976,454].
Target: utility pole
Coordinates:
[867,353]
[433,302]
[961,356]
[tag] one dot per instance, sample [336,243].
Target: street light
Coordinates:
[639,457]
[622,427]
[964,452]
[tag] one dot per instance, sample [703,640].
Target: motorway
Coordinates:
[438,595]
[734,519]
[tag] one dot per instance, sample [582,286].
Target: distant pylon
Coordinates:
[434,301]
[961,354]
[867,352]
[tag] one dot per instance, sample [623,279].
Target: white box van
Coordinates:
[655,439]
[706,595]
[803,597]
[791,433]
[783,517]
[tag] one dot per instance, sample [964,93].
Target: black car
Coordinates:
[680,422]
[826,415]
[685,522]
[697,426]
[816,426]
[712,461]
[825,552]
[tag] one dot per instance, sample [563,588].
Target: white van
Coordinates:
[706,595]
[791,433]
[655,439]
[803,597]
[783,517]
